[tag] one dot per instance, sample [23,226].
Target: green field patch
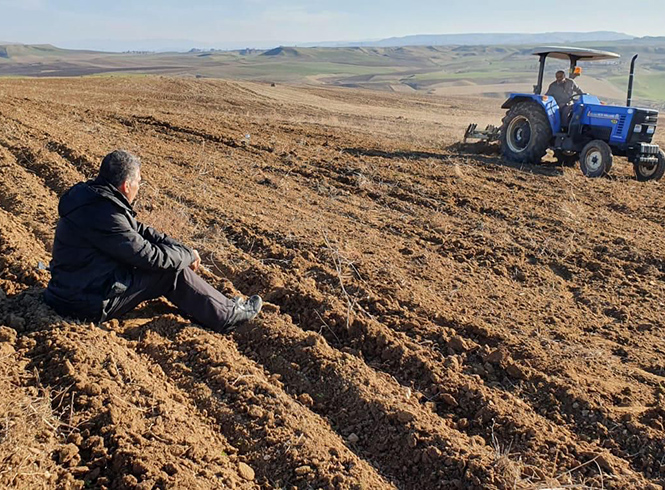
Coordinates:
[646,85]
[473,75]
[302,69]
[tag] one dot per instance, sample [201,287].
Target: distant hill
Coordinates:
[184,45]
[167,45]
[26,52]
[285,52]
[649,40]
[442,70]
[479,39]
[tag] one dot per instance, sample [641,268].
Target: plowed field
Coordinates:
[435,318]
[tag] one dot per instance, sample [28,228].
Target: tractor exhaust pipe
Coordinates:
[630,81]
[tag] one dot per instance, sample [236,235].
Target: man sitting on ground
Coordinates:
[105,262]
[562,89]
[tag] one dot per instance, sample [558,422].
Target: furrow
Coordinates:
[56,176]
[281,439]
[24,195]
[168,127]
[473,419]
[463,399]
[124,423]
[379,418]
[20,252]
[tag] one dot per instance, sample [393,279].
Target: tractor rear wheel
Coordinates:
[526,133]
[596,159]
[644,172]
[566,158]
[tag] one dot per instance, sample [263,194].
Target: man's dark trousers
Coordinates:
[185,289]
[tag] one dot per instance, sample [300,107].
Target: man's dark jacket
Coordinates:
[99,247]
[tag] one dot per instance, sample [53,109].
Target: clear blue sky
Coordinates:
[72,22]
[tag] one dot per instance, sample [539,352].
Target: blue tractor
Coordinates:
[593,134]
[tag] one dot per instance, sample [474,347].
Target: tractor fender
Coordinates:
[548,104]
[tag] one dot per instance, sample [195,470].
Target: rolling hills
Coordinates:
[446,70]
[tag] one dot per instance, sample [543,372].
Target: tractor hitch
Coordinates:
[490,133]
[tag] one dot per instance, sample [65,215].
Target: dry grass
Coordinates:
[29,429]
[518,475]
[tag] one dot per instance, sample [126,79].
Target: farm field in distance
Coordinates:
[488,71]
[435,317]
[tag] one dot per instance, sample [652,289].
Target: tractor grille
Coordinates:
[644,121]
[646,149]
[621,124]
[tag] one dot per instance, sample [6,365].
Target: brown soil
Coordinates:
[436,318]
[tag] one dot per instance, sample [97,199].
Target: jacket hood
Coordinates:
[86,193]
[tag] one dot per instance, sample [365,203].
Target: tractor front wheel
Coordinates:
[644,172]
[596,159]
[526,133]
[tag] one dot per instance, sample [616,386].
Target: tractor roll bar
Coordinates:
[573,65]
[537,89]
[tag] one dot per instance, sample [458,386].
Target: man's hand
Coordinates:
[197,261]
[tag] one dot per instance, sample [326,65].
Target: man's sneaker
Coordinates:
[243,310]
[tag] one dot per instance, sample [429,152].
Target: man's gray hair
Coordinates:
[562,72]
[119,166]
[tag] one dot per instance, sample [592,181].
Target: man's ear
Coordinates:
[123,188]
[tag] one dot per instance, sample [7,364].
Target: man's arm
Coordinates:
[113,235]
[576,89]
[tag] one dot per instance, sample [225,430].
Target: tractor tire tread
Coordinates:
[541,133]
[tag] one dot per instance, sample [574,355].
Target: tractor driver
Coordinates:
[562,89]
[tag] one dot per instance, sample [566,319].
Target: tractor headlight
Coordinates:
[651,129]
[638,128]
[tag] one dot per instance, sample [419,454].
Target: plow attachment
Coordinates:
[489,134]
